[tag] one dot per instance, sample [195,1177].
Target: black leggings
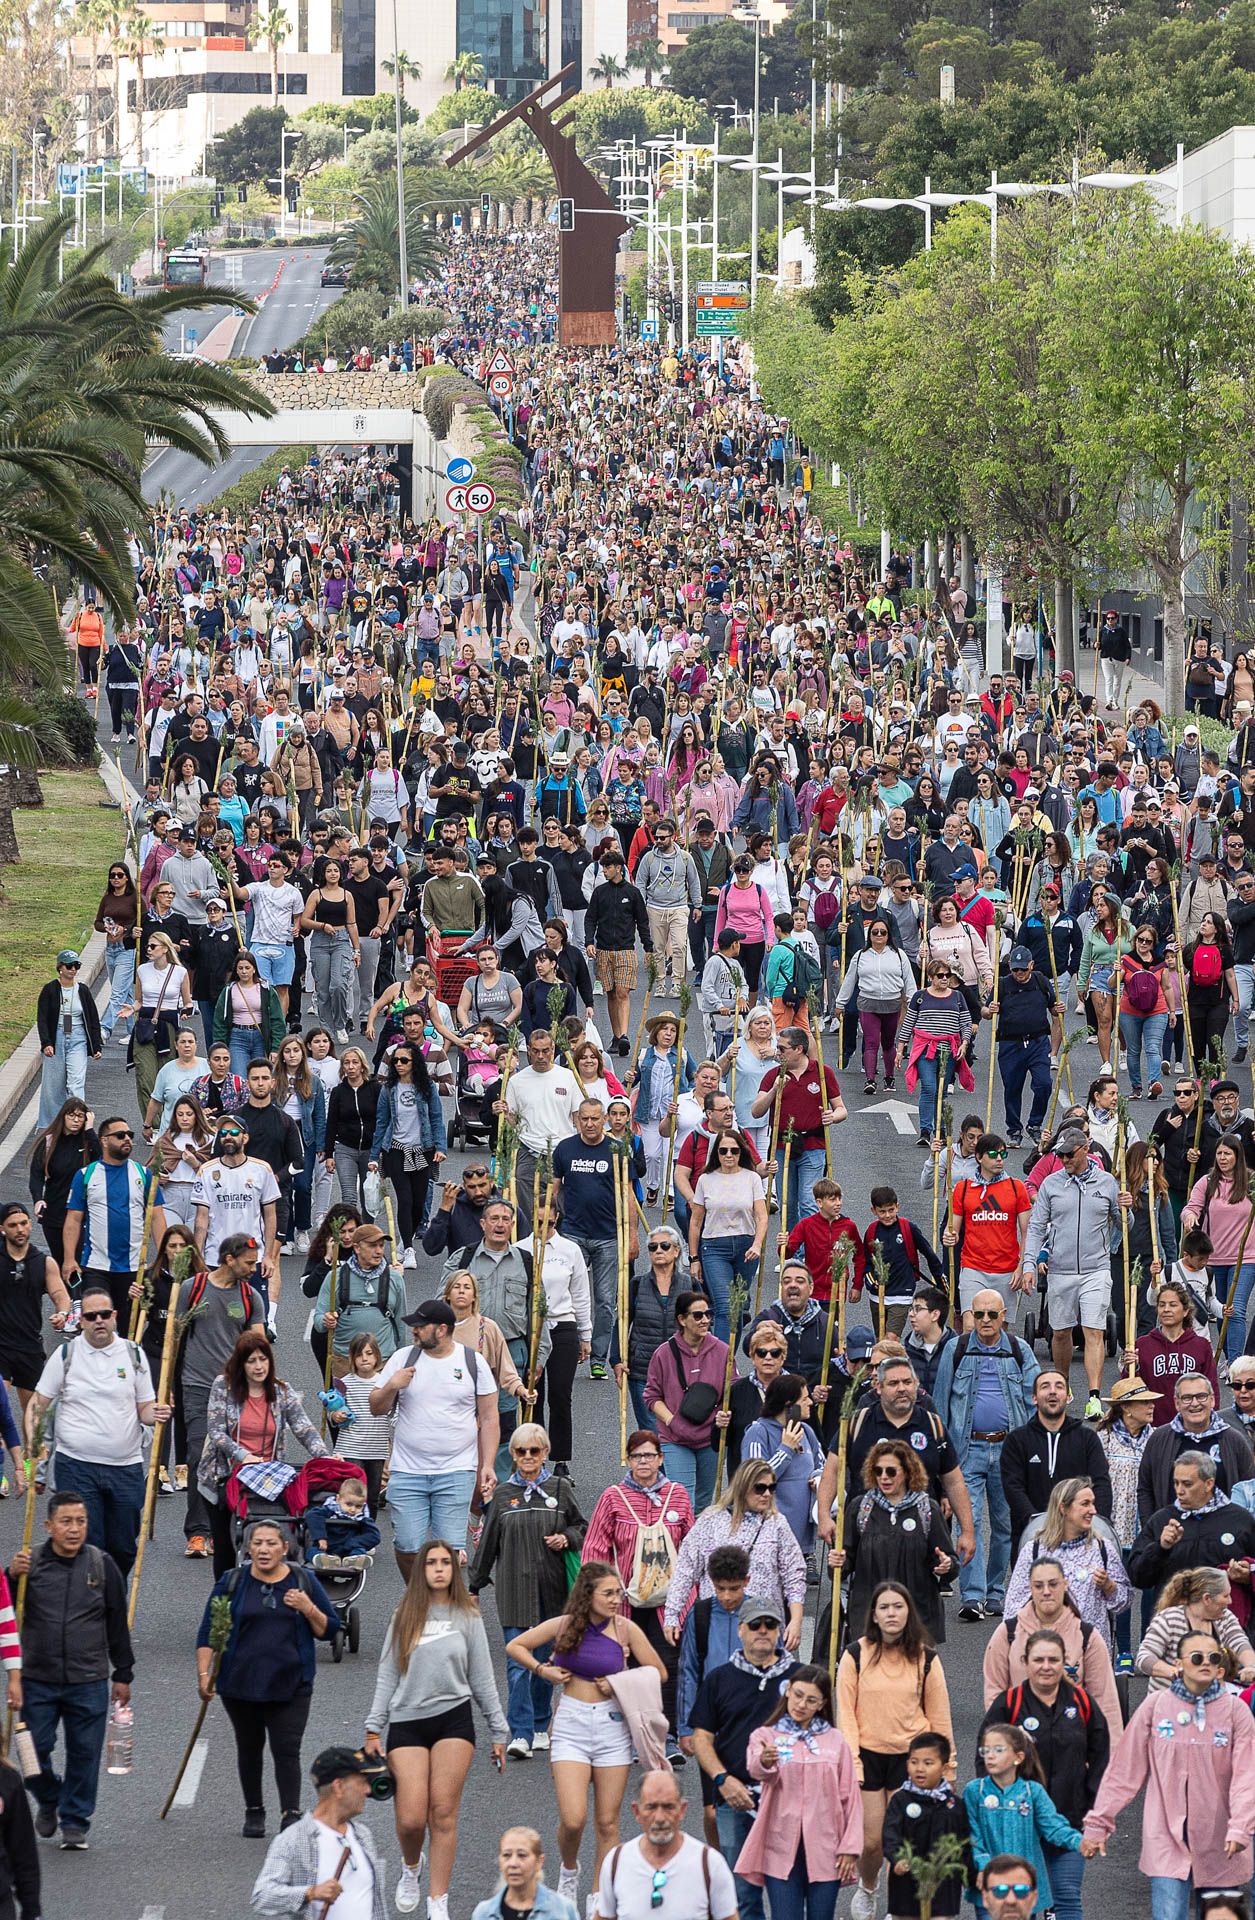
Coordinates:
[411,1191]
[649,1620]
[555,1384]
[282,1722]
[751,958]
[498,615]
[221,1528]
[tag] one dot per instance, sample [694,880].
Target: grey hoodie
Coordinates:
[1073,1220]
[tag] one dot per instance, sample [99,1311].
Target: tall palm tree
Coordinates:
[466,71]
[94,17]
[368,243]
[85,382]
[607,68]
[116,12]
[402,68]
[647,57]
[514,176]
[141,31]
[272,26]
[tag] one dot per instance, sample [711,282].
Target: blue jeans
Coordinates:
[692,1470]
[1222,1276]
[641,1408]
[1144,1032]
[927,1070]
[1245,976]
[806,1165]
[120,966]
[529,1702]
[83,1713]
[114,1498]
[984,1578]
[1123,1623]
[1066,1870]
[722,1260]
[602,1260]
[1018,1061]
[430,1506]
[62,1078]
[799,1898]
[1170,1899]
[246,1044]
[734,1827]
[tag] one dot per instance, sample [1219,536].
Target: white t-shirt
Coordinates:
[97,1391]
[235,1197]
[629,1889]
[273,908]
[356,1902]
[437,1428]
[544,1105]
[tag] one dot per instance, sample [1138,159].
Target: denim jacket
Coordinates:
[651,1063]
[313,1121]
[431,1118]
[549,1906]
[954,1394]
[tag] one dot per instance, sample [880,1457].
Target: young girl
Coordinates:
[323,1064]
[805,1843]
[367,1439]
[1009,1811]
[181,1152]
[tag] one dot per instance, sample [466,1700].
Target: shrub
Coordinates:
[237,500]
[66,729]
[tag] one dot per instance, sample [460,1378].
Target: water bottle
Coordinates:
[121,1740]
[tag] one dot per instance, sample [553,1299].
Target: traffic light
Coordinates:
[241,194]
[566,216]
[485,205]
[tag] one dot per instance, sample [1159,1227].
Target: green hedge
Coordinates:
[241,498]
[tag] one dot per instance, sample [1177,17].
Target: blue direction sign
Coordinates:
[460,470]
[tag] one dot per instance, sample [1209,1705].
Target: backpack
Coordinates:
[67,1356]
[921,1502]
[1020,1352]
[201,1281]
[415,1354]
[614,1868]
[300,1573]
[854,1647]
[1206,967]
[802,982]
[1014,1697]
[825,909]
[1141,990]
[653,1562]
[1087,1631]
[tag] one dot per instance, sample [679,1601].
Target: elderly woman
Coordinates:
[531,1523]
[1072,1529]
[1196,1601]
[895,1531]
[651,1303]
[753,1060]
[746,1516]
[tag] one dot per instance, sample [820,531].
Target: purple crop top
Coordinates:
[596,1655]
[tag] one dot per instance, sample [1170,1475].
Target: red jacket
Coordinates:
[817,1237]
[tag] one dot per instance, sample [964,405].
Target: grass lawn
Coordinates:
[49,900]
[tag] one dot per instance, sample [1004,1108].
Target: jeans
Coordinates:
[363,980]
[1123,1622]
[799,1897]
[120,966]
[430,1506]
[928,1098]
[1066,1870]
[114,1498]
[806,1165]
[246,1044]
[1170,1898]
[1244,973]
[351,1165]
[1144,1032]
[984,1578]
[723,1260]
[529,1700]
[331,956]
[83,1713]
[694,1470]
[63,1077]
[1222,1277]
[734,1826]
[641,1409]
[602,1260]
[1020,1060]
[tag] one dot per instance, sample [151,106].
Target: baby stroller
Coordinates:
[473,1123]
[286,1507]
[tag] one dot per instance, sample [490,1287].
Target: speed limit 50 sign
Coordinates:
[480,496]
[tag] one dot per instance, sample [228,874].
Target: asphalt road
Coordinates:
[293,300]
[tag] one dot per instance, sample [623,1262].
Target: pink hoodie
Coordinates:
[1200,1779]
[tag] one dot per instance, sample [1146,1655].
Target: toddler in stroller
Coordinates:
[339,1532]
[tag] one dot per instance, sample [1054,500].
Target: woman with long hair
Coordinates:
[890,1686]
[880,1546]
[1222,1205]
[352,1110]
[409,1139]
[117,917]
[330,920]
[589,1742]
[745,1515]
[162,1285]
[1075,1532]
[299,1091]
[179,1154]
[1148,1007]
[880,980]
[932,1039]
[60,1151]
[511,922]
[1211,989]
[252,1415]
[249,1015]
[339,1223]
[783,1437]
[1106,943]
[435,1662]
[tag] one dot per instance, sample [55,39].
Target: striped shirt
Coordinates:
[112,1201]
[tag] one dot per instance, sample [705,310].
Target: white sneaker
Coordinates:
[863,1905]
[569,1884]
[409,1259]
[437,1906]
[540,1742]
[407,1893]
[518,1749]
[302,1242]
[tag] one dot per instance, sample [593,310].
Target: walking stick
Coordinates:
[651,981]
[335,1295]
[219,1634]
[947,1131]
[848,1405]
[993,1030]
[937,1157]
[1233,1284]
[880,1267]
[1064,1063]
[838,1282]
[621,1219]
[540,1234]
[783,1236]
[686,1000]
[168,1346]
[738,1293]
[1122,1156]
[138,1302]
[736,1043]
[1182,995]
[812,1003]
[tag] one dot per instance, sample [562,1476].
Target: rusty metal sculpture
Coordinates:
[586,257]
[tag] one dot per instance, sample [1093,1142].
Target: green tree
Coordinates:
[141,31]
[368,243]
[470,103]
[248,152]
[716,63]
[607,68]
[404,68]
[272,27]
[466,71]
[647,57]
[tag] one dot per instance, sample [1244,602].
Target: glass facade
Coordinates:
[511,37]
[357,70]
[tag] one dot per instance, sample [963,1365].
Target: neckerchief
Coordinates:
[335,1511]
[530,1487]
[811,1311]
[944,1792]
[809,1736]
[369,1274]
[782,1664]
[1217,1426]
[1199,1701]
[655,1494]
[1217,1501]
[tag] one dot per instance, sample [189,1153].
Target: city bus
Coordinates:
[187,267]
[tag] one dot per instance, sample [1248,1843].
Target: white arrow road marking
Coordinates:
[902,1116]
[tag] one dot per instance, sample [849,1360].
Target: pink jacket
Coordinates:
[1204,1777]
[814,1799]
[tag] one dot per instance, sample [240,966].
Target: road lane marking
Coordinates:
[153,1913]
[190,1783]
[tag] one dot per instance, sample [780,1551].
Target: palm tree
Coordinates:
[95,19]
[466,71]
[85,383]
[514,176]
[273,26]
[607,68]
[368,243]
[141,31]
[115,23]
[402,68]
[646,57]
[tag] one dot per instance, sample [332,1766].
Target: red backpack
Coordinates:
[1206,967]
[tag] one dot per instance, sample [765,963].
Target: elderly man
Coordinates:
[1076,1212]
[895,1414]
[984,1383]
[1197,1427]
[664,1874]
[1241,1415]
[1198,1527]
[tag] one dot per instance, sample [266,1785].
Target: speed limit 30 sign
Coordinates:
[501,386]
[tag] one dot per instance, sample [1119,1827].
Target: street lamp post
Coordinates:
[747,14]
[347,131]
[402,256]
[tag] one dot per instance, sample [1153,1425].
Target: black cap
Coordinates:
[431,1313]
[335,1763]
[1224,1086]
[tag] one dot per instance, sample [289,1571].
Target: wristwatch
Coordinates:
[717,1779]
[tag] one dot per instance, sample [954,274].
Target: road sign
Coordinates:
[720,307]
[480,497]
[649,329]
[455,499]
[460,470]
[192,336]
[501,363]
[500,386]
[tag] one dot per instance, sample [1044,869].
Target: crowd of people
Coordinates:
[607,864]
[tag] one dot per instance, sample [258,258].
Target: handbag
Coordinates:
[146,1027]
[698,1401]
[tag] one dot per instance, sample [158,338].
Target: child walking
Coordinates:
[920,1815]
[1009,1810]
[366,1439]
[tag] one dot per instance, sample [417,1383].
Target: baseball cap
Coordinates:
[859,1342]
[68,958]
[754,1607]
[1020,957]
[431,1313]
[334,1763]
[1069,1140]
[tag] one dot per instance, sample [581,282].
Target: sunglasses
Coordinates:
[522,1450]
[762,1626]
[996,1153]
[887,1471]
[659,1883]
[986,1313]
[68,966]
[1020,1888]
[660,1246]
[763,1486]
[119,1133]
[699,1313]
[1205,1659]
[104,1313]
[777,1353]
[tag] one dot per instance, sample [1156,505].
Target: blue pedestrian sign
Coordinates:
[649,329]
[460,470]
[192,336]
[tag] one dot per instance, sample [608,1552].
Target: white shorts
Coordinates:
[1083,1297]
[593,1731]
[973,1281]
